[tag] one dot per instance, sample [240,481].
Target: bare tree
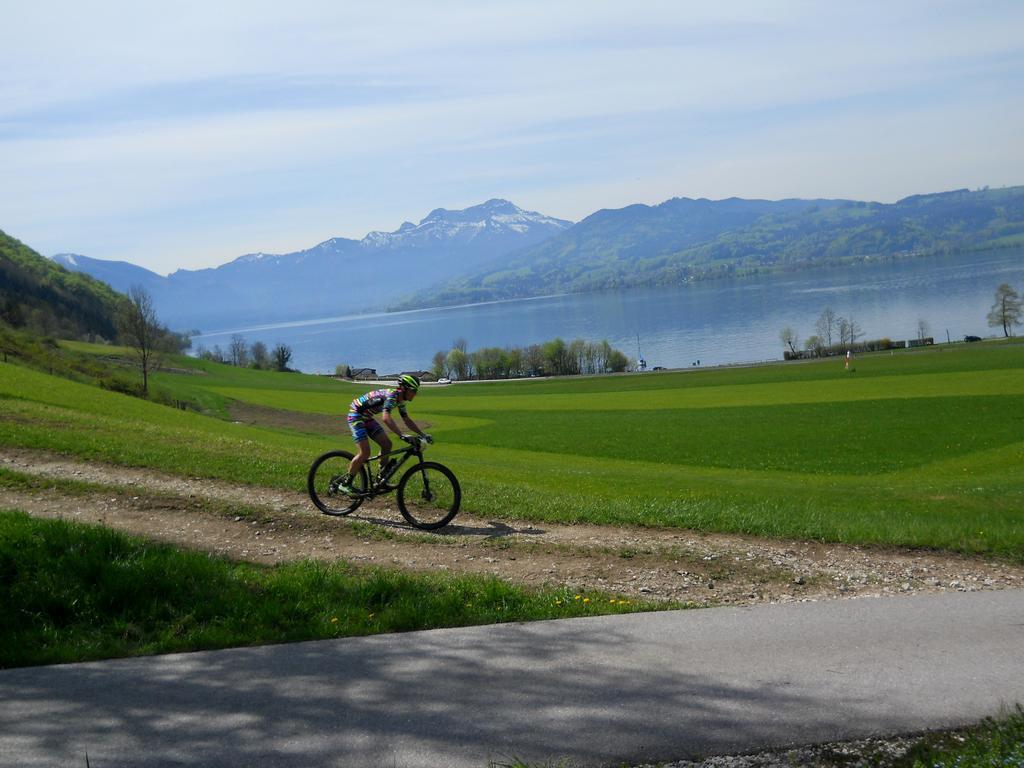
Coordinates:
[789,337]
[844,331]
[826,325]
[239,350]
[923,329]
[849,331]
[282,355]
[1006,310]
[140,330]
[604,352]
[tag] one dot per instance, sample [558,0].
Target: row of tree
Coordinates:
[552,358]
[257,355]
[834,331]
[831,330]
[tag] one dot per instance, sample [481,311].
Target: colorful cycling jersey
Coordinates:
[374,402]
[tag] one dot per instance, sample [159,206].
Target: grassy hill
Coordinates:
[683,240]
[915,449]
[44,297]
[918,449]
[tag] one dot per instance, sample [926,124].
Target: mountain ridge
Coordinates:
[685,239]
[336,276]
[496,251]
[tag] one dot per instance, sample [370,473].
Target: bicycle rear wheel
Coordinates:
[322,482]
[429,495]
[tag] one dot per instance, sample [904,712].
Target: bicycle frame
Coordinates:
[380,484]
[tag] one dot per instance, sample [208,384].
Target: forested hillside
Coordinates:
[39,295]
[683,240]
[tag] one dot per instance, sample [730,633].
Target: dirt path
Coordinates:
[270,526]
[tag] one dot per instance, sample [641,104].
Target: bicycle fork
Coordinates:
[425,494]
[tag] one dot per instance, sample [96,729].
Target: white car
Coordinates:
[444,380]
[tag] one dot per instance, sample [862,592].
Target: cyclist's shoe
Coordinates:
[345,486]
[428,439]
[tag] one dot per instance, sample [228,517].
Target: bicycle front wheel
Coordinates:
[322,483]
[429,495]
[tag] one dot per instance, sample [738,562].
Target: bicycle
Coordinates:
[428,493]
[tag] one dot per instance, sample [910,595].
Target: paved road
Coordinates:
[603,690]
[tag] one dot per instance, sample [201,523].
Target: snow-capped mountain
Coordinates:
[337,276]
[492,220]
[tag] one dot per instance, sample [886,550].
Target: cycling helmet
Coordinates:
[409,382]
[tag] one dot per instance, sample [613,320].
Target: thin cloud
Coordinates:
[186,136]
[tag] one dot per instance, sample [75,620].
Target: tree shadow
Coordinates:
[585,688]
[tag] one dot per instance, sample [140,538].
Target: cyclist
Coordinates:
[363,426]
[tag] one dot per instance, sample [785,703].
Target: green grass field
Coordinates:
[71,592]
[919,448]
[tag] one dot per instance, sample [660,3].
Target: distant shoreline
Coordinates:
[740,274]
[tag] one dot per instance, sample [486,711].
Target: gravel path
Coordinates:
[268,526]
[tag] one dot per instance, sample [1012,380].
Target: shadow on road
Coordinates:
[435,698]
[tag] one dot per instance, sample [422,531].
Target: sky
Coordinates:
[185,134]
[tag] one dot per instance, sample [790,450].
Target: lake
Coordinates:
[714,322]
